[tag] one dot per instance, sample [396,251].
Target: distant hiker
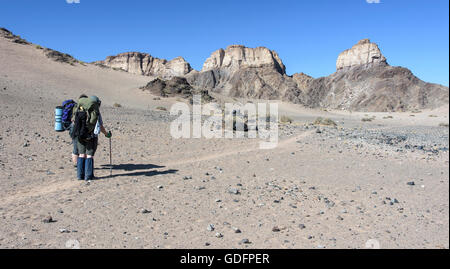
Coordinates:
[86,119]
[73,105]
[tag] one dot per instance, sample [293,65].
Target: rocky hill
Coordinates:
[364,81]
[50,53]
[239,71]
[364,52]
[175,87]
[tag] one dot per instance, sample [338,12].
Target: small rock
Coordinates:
[48,219]
[245,241]
[237,230]
[219,235]
[210,227]
[302,226]
[275,229]
[233,191]
[411,183]
[145,211]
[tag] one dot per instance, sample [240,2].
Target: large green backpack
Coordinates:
[91,110]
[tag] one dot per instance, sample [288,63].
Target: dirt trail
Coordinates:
[64,185]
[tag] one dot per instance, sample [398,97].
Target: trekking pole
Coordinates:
[110,159]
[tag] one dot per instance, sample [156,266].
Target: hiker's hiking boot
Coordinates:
[81,167]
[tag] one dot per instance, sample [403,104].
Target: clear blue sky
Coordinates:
[308,35]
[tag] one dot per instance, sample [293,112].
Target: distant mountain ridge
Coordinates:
[363,81]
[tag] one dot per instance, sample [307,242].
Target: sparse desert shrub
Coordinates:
[367,119]
[324,121]
[117,105]
[156,98]
[39,47]
[416,111]
[388,117]
[433,116]
[161,108]
[285,119]
[443,124]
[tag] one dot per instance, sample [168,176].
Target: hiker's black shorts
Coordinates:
[87,147]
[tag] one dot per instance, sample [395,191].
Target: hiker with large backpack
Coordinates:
[87,114]
[68,107]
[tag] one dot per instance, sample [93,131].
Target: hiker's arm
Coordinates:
[103,130]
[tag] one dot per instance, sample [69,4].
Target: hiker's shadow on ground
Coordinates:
[130,166]
[134,167]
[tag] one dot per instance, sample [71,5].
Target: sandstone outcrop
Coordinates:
[239,71]
[145,64]
[364,52]
[236,57]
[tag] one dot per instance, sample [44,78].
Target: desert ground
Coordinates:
[321,187]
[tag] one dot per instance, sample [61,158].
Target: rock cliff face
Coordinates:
[145,64]
[235,57]
[239,71]
[364,52]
